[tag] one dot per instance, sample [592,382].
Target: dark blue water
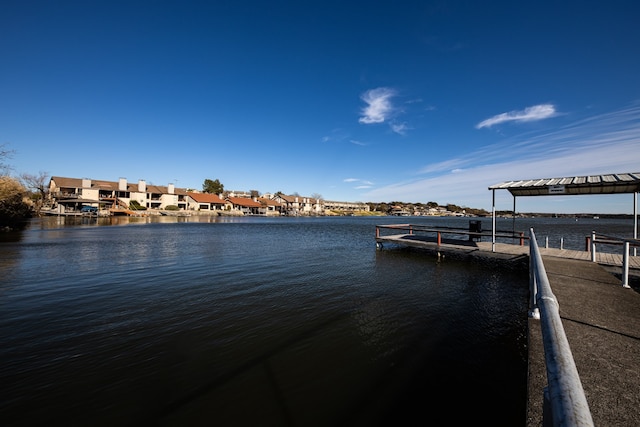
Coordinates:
[254,321]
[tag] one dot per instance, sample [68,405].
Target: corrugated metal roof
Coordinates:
[591,184]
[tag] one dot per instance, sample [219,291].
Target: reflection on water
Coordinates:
[233,321]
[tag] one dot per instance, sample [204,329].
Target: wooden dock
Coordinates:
[465,243]
[128,212]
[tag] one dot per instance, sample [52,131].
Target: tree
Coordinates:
[5,153]
[454,208]
[37,184]
[316,196]
[213,187]
[14,204]
[254,194]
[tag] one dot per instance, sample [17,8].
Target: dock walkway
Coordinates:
[601,319]
[502,250]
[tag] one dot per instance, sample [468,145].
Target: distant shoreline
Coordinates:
[569,215]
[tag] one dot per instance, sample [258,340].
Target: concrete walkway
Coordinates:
[602,322]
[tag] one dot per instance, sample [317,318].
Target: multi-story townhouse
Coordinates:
[72,193]
[346,206]
[299,205]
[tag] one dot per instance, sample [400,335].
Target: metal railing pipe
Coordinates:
[625,265]
[567,400]
[613,240]
[534,311]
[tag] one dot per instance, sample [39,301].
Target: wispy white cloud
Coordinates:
[379,105]
[363,184]
[356,142]
[537,112]
[399,128]
[444,166]
[602,144]
[380,109]
[335,135]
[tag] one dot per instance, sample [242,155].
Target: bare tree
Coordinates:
[38,185]
[5,154]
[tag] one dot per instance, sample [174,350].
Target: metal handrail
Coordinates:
[613,240]
[442,230]
[564,391]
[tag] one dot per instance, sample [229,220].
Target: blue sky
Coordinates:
[379,101]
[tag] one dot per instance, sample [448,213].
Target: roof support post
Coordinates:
[635,220]
[513,214]
[493,222]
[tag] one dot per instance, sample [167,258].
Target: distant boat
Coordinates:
[174,213]
[596,217]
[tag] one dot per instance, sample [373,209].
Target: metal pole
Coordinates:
[493,222]
[593,246]
[625,265]
[635,220]
[534,311]
[513,230]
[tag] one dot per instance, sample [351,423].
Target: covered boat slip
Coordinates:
[620,183]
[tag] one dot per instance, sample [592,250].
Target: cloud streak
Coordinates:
[529,114]
[603,144]
[362,184]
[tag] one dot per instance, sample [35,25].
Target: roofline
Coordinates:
[577,185]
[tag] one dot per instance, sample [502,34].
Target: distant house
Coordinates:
[244,205]
[299,205]
[205,202]
[346,206]
[399,211]
[271,206]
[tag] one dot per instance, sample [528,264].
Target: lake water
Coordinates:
[258,321]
